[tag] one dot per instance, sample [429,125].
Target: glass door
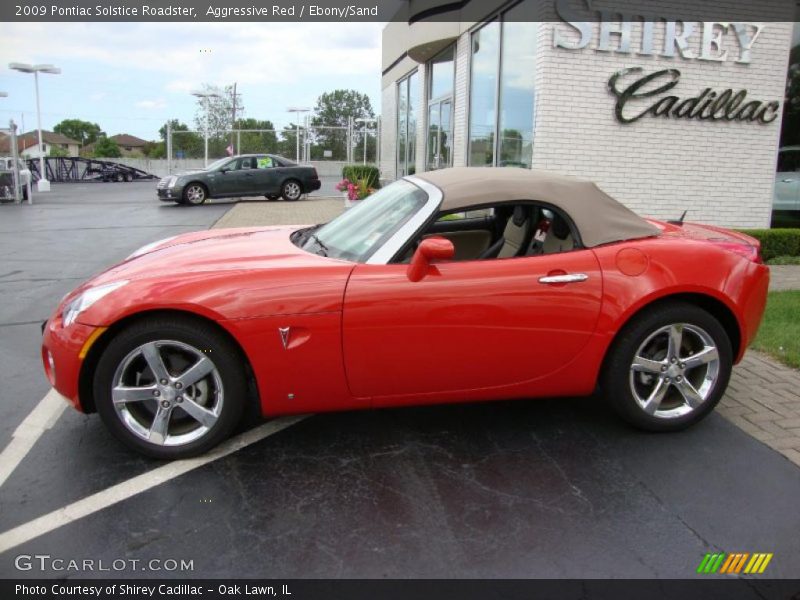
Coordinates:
[440,134]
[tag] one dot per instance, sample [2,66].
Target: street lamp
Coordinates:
[295,109]
[43,185]
[365,121]
[204,96]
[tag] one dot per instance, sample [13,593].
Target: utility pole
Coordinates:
[233,119]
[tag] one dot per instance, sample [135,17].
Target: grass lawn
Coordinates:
[779,335]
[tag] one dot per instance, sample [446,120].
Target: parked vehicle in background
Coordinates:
[7,167]
[787,180]
[246,175]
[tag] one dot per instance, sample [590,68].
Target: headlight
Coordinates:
[86,299]
[171,181]
[147,247]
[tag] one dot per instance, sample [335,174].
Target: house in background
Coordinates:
[28,144]
[129,145]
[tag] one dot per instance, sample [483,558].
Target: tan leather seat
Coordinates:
[517,232]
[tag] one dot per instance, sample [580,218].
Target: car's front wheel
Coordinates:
[194,194]
[170,387]
[291,190]
[668,368]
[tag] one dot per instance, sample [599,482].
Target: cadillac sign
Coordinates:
[640,94]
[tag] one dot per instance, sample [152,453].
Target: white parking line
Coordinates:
[42,418]
[141,483]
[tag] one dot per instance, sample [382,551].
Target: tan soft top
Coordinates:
[599,218]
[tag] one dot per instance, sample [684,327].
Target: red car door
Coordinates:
[474,324]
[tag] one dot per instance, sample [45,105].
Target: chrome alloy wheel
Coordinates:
[674,370]
[167,393]
[195,194]
[292,190]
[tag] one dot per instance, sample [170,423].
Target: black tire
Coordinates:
[119,177]
[228,379]
[195,194]
[291,190]
[630,389]
[128,177]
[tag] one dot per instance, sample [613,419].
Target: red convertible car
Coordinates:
[463,284]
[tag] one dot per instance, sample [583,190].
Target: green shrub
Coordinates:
[776,242]
[369,172]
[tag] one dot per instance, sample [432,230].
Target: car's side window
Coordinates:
[246,163]
[265,162]
[508,230]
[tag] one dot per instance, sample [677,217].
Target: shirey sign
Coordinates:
[716,42]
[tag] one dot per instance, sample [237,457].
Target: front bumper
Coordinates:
[61,356]
[172,194]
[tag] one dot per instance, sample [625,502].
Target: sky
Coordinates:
[133,77]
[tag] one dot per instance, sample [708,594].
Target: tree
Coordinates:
[219,109]
[57,151]
[82,131]
[185,144]
[252,141]
[106,148]
[334,109]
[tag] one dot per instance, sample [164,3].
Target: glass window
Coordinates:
[442,70]
[483,94]
[517,93]
[413,99]
[502,92]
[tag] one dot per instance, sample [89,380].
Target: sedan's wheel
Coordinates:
[119,177]
[291,190]
[170,388]
[669,367]
[194,194]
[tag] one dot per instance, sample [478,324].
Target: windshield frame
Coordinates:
[385,253]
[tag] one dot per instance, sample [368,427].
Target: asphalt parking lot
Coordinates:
[546,488]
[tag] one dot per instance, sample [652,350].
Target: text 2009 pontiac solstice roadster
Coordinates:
[456,285]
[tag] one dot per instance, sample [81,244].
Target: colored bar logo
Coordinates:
[734,563]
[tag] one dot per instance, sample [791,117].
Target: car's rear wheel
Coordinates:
[119,177]
[668,368]
[291,190]
[194,194]
[170,388]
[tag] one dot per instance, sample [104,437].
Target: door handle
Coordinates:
[566,278]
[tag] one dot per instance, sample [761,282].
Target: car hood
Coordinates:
[216,251]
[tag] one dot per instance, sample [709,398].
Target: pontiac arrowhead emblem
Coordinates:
[285,331]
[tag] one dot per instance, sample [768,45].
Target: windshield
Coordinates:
[217,164]
[360,231]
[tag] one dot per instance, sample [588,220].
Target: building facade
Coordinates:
[665,114]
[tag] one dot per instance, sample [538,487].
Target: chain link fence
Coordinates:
[352,143]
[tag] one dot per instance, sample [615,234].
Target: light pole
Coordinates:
[43,185]
[204,96]
[365,121]
[294,109]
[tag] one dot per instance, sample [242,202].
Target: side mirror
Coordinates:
[429,250]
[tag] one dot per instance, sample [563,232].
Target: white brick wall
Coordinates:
[722,172]
[461,101]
